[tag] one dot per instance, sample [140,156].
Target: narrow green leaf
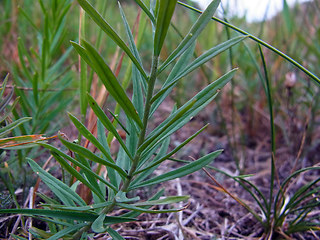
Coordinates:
[154,197]
[114,234]
[118,120]
[9,110]
[107,123]
[68,215]
[66,231]
[88,135]
[193,34]
[81,51]
[5,130]
[3,86]
[77,175]
[60,189]
[156,162]
[4,102]
[146,210]
[165,13]
[187,111]
[79,164]
[109,80]
[146,11]
[163,201]
[82,208]
[180,172]
[98,19]
[132,46]
[98,224]
[89,155]
[208,55]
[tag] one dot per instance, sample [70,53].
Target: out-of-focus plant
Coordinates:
[43,74]
[284,211]
[143,149]
[9,143]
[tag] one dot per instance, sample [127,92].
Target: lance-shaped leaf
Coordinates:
[68,215]
[179,118]
[65,231]
[78,176]
[165,13]
[81,208]
[180,172]
[4,102]
[114,234]
[108,79]
[99,20]
[79,164]
[193,34]
[146,11]
[132,44]
[107,123]
[5,130]
[89,155]
[161,159]
[88,135]
[163,201]
[205,57]
[145,210]
[60,189]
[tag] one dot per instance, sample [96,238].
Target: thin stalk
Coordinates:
[233,142]
[272,132]
[258,40]
[151,83]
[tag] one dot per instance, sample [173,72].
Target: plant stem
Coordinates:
[151,83]
[125,186]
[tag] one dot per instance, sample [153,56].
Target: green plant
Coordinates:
[289,207]
[284,211]
[14,142]
[43,74]
[144,149]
